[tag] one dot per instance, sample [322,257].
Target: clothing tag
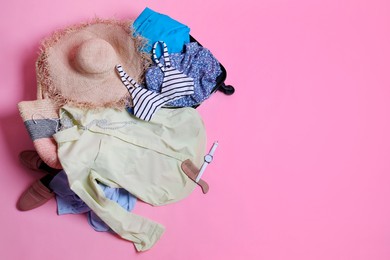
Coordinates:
[192,172]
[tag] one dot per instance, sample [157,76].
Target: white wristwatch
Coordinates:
[208,158]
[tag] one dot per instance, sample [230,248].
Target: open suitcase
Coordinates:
[220,81]
[220,85]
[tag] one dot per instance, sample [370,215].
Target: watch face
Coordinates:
[208,158]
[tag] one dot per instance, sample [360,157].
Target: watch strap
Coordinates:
[192,172]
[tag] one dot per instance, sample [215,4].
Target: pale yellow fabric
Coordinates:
[142,157]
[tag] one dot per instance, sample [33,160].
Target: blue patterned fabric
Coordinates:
[196,62]
[69,203]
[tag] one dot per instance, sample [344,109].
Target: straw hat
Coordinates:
[77,65]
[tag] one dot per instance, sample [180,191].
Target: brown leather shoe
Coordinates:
[31,160]
[36,195]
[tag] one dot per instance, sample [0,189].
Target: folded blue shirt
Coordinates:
[155,27]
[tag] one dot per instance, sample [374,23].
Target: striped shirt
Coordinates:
[175,85]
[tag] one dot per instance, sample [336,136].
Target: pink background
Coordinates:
[302,170]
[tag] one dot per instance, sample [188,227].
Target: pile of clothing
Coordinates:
[114,121]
